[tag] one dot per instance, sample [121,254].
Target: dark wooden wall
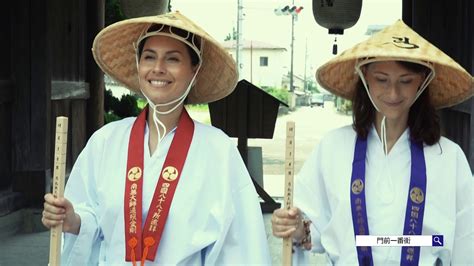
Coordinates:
[46,70]
[6,92]
[70,90]
[450,26]
[30,76]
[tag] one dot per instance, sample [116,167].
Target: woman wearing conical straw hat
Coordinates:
[390,173]
[161,188]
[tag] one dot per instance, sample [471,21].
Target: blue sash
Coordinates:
[415,202]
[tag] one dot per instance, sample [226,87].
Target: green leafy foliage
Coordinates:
[109,101]
[198,107]
[110,117]
[346,106]
[312,86]
[281,94]
[141,103]
[232,36]
[127,106]
[343,105]
[116,109]
[113,12]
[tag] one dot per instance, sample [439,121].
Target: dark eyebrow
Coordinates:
[173,51]
[168,52]
[149,50]
[403,75]
[409,74]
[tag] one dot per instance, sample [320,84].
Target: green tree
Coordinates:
[127,106]
[279,93]
[116,109]
[312,86]
[110,102]
[113,12]
[231,36]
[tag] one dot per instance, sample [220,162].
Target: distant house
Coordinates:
[263,64]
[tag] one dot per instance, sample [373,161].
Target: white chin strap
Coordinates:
[424,85]
[178,101]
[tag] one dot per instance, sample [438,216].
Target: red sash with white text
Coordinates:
[143,244]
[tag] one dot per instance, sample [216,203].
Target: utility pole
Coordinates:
[292,88]
[238,46]
[305,63]
[293,11]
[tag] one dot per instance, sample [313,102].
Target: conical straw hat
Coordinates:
[115,53]
[450,86]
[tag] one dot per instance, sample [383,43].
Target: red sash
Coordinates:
[150,238]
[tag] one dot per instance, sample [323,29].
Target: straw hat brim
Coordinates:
[450,86]
[114,52]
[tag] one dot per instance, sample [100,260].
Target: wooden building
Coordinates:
[450,26]
[46,70]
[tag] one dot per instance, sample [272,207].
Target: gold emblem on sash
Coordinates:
[134,173]
[357,186]
[170,173]
[416,195]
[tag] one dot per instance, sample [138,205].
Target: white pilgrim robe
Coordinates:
[322,192]
[215,217]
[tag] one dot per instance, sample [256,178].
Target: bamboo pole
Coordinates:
[288,195]
[59,172]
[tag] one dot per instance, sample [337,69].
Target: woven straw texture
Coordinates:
[451,85]
[114,52]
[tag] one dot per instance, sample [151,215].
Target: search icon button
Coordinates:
[437,241]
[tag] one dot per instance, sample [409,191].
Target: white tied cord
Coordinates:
[178,101]
[383,132]
[424,85]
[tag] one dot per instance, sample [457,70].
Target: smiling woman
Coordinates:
[122,201]
[165,70]
[391,173]
[392,87]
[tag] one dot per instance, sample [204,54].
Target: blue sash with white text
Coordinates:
[415,202]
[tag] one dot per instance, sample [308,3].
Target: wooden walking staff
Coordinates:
[288,195]
[60,148]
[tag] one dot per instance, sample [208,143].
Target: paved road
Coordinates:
[311,124]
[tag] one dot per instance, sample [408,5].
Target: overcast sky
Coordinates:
[260,23]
